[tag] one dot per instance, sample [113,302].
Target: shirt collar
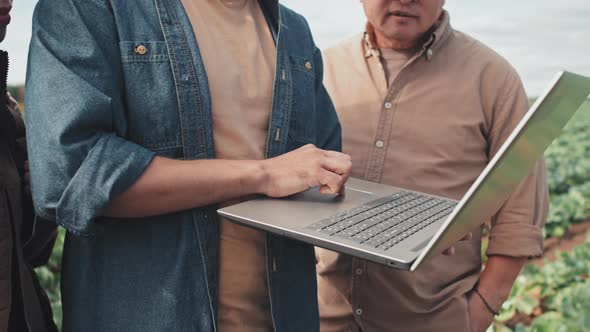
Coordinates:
[442,31]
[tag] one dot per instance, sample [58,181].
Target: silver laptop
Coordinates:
[401,228]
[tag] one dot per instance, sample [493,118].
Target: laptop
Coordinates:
[402,228]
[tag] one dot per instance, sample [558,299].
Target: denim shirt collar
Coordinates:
[270,8]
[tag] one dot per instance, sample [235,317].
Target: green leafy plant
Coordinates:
[49,277]
[555,297]
[568,175]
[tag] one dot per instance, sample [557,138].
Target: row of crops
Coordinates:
[556,297]
[553,298]
[568,170]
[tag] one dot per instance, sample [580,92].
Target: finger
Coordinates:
[325,190]
[307,147]
[333,181]
[342,191]
[467,237]
[344,158]
[449,252]
[336,154]
[340,166]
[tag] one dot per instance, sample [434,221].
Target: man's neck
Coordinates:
[398,45]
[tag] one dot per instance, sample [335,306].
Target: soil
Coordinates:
[575,236]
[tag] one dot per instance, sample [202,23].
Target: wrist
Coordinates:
[491,308]
[493,295]
[261,176]
[497,279]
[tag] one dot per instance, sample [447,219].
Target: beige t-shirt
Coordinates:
[393,61]
[239,55]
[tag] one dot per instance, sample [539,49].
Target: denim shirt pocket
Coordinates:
[303,113]
[151,98]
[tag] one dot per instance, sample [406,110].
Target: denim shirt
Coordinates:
[98,112]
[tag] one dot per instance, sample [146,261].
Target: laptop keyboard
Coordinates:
[387,221]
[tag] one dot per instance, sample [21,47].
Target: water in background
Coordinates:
[539,37]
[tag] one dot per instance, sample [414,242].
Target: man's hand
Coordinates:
[305,168]
[495,284]
[479,315]
[451,251]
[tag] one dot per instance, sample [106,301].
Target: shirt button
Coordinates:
[141,50]
[358,311]
[388,105]
[308,65]
[359,271]
[379,144]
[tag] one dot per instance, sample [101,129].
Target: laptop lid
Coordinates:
[513,161]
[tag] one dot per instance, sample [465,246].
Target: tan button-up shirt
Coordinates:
[433,129]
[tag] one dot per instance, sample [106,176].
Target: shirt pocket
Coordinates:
[153,118]
[303,111]
[143,51]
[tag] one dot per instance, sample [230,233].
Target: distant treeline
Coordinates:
[18,92]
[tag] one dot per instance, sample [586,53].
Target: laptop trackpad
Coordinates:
[421,245]
[351,199]
[298,210]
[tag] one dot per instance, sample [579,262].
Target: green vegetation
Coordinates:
[568,169]
[556,297]
[49,276]
[15,91]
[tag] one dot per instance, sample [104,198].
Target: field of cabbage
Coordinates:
[551,298]
[568,170]
[556,296]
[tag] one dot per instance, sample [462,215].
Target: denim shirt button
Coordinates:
[141,50]
[308,65]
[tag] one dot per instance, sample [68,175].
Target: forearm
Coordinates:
[497,278]
[170,185]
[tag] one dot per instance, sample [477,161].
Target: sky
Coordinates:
[539,37]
